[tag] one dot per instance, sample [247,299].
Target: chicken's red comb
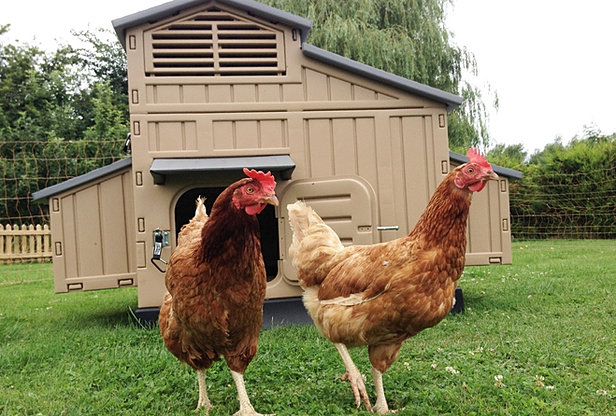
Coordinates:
[474,155]
[265,179]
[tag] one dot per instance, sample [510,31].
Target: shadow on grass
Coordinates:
[490,303]
[120,317]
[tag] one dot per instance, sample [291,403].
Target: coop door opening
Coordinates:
[268,224]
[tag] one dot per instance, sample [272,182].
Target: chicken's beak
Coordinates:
[492,176]
[270,199]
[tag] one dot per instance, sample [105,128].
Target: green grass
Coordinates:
[545,324]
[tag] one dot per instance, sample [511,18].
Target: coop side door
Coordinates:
[93,235]
[347,204]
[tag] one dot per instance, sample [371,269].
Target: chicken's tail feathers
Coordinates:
[314,244]
[200,213]
[300,218]
[192,230]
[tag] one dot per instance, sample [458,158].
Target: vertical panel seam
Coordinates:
[75,224]
[404,167]
[100,226]
[126,224]
[307,144]
[332,147]
[183,134]
[356,148]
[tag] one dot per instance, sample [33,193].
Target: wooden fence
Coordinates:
[25,243]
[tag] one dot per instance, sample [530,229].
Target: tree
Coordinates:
[62,113]
[404,37]
[568,190]
[105,61]
[509,156]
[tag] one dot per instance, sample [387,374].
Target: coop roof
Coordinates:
[160,168]
[510,173]
[82,179]
[303,26]
[173,7]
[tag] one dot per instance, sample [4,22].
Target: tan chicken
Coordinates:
[379,295]
[216,285]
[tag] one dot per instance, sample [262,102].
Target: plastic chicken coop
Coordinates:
[216,86]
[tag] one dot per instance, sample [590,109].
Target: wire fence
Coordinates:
[580,205]
[29,166]
[549,206]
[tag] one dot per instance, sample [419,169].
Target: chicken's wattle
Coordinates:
[476,187]
[254,209]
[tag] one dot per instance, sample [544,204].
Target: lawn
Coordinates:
[537,338]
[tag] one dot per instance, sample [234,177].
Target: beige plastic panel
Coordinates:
[207,135]
[93,235]
[418,150]
[489,233]
[323,86]
[347,204]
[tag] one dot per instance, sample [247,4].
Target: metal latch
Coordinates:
[388,228]
[161,239]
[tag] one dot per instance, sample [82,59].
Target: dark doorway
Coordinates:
[268,224]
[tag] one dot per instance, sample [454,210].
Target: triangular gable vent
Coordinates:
[214,42]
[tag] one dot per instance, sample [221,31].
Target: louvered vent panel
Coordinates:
[213,43]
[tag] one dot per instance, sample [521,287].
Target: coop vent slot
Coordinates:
[214,43]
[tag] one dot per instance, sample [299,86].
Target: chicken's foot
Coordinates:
[380,406]
[354,377]
[246,408]
[204,401]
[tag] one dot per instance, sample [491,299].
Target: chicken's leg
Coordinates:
[204,401]
[354,377]
[381,357]
[246,408]
[380,406]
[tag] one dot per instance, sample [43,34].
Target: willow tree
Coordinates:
[407,38]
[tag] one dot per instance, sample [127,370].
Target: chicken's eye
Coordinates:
[470,170]
[250,190]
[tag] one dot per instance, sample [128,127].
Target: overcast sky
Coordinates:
[551,62]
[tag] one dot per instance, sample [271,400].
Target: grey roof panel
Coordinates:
[510,173]
[82,179]
[170,8]
[451,100]
[175,166]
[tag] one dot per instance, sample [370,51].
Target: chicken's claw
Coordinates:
[359,388]
[249,413]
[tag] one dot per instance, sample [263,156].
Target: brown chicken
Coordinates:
[379,295]
[216,285]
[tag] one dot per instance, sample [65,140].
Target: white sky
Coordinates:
[551,62]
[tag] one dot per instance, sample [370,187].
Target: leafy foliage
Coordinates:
[405,37]
[62,114]
[567,191]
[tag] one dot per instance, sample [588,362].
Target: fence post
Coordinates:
[24,242]
[39,239]
[31,240]
[9,241]
[46,239]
